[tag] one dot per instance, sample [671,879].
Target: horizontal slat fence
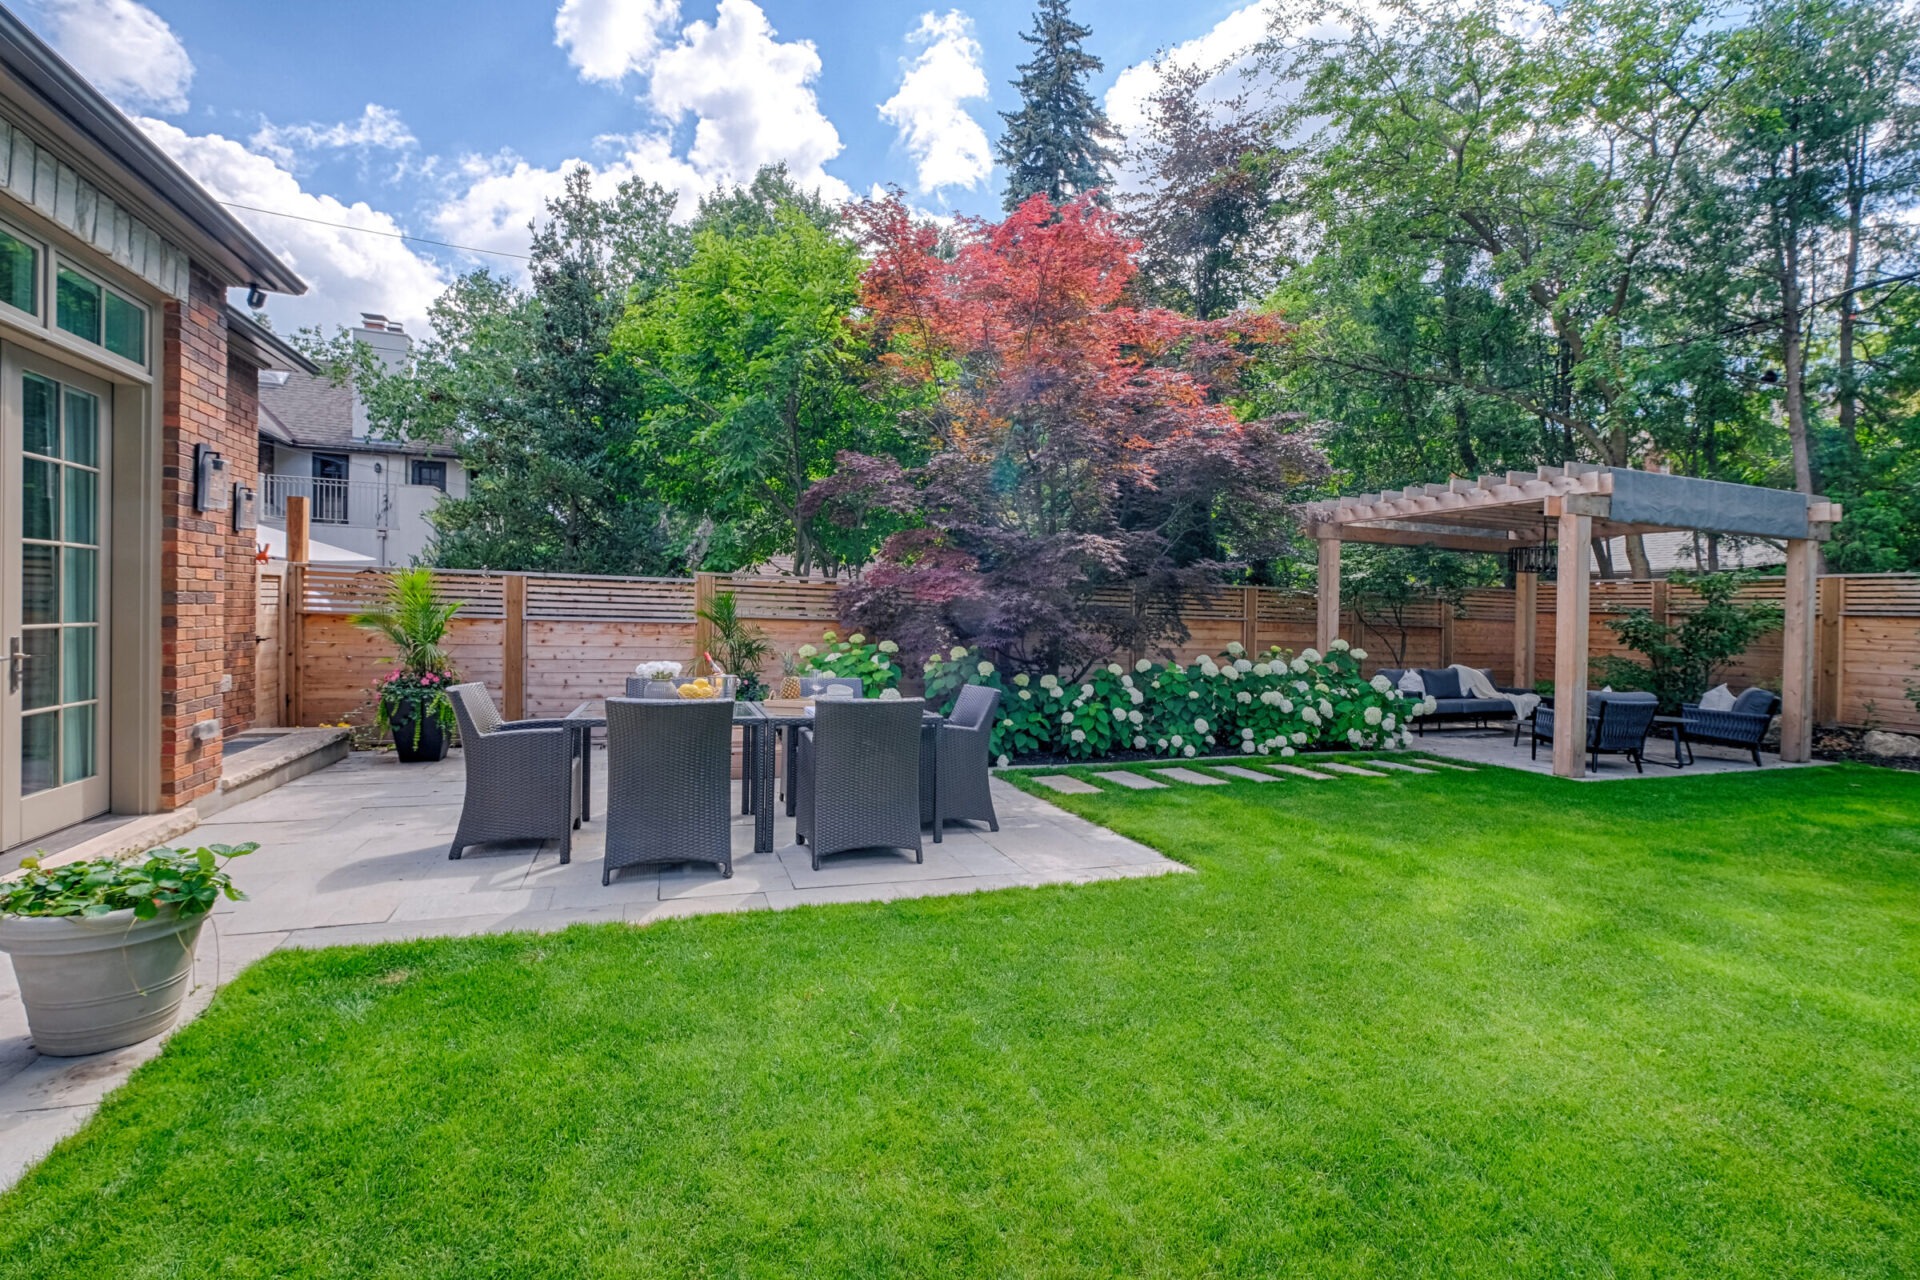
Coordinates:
[574,638]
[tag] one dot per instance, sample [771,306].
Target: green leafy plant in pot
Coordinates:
[412,698]
[103,950]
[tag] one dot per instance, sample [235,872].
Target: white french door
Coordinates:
[54,432]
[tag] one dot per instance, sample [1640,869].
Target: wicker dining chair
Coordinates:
[669,795]
[523,777]
[858,778]
[954,779]
[815,687]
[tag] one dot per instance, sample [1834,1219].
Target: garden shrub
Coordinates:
[877,665]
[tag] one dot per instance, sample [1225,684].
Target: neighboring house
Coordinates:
[365,495]
[128,424]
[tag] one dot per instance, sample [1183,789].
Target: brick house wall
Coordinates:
[206,570]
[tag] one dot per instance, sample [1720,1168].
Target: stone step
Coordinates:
[1235,771]
[1189,776]
[1066,784]
[1131,781]
[1448,764]
[1298,772]
[1403,768]
[1353,769]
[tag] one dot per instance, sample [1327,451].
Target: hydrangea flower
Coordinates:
[1176,740]
[856,638]
[1136,697]
[1086,691]
[1242,665]
[1235,648]
[1262,669]
[879,659]
[1243,696]
[1143,666]
[1286,706]
[1299,739]
[1057,691]
[1353,736]
[1246,733]
[1187,751]
[1066,717]
[1119,713]
[1382,684]
[1114,668]
[1359,655]
[1193,693]
[1026,695]
[889,695]
[1134,717]
[1387,723]
[888,646]
[1310,715]
[1285,752]
[1247,747]
[1310,655]
[807,651]
[1199,724]
[1003,761]
[1372,716]
[1079,735]
[1298,666]
[1163,744]
[1049,681]
[1139,743]
[958,652]
[985,668]
[1326,709]
[1338,646]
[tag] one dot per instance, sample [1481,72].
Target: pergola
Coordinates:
[1569,506]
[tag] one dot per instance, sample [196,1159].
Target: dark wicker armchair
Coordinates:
[1617,724]
[1744,726]
[858,781]
[668,791]
[814,687]
[954,763]
[523,778]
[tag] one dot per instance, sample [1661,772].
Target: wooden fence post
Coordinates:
[705,587]
[293,634]
[1250,620]
[1446,632]
[514,677]
[1829,668]
[299,530]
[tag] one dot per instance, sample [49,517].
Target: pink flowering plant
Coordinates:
[415,620]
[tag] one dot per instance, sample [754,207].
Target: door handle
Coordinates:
[17,659]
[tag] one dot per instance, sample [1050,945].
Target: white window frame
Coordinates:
[45,252]
[51,305]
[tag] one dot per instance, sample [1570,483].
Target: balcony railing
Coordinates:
[357,503]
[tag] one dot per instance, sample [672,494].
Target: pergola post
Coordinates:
[1796,667]
[1526,610]
[1327,622]
[1572,600]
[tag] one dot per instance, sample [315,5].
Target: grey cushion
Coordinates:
[1392,674]
[1441,683]
[1754,702]
[1475,706]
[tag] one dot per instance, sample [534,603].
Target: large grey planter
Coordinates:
[90,985]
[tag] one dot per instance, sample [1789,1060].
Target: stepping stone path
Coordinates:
[1235,771]
[1067,784]
[1298,772]
[1395,764]
[1443,764]
[1354,769]
[1132,781]
[1188,775]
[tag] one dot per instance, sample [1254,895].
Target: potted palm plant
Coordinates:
[412,698]
[103,950]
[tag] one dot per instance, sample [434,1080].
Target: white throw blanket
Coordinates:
[1475,682]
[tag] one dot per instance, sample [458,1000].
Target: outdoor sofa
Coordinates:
[1452,704]
[1742,726]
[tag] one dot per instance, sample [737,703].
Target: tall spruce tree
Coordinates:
[1056,143]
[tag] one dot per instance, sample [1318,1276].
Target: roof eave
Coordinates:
[102,135]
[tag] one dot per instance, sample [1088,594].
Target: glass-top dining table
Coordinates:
[759,723]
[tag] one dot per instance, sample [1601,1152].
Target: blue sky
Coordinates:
[453,121]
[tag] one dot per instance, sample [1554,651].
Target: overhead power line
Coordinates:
[375,231]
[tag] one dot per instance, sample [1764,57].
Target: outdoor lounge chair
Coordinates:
[858,781]
[669,797]
[1617,724]
[523,777]
[954,782]
[1743,726]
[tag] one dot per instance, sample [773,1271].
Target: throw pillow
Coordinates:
[1410,682]
[1718,698]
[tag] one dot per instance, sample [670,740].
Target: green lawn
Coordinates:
[1467,1024]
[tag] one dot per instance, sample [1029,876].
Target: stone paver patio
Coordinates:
[358,853]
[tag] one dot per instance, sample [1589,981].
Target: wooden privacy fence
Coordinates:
[544,643]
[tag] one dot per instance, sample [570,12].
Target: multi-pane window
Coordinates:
[97,314]
[60,603]
[430,473]
[19,274]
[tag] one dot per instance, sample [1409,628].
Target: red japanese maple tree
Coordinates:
[1079,443]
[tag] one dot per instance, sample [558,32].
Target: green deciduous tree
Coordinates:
[752,376]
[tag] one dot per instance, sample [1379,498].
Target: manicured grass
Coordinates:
[1468,1024]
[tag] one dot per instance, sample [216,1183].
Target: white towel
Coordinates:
[1475,682]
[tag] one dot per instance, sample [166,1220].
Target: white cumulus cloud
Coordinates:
[347,271]
[606,39]
[378,128]
[948,146]
[502,194]
[126,49]
[752,98]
